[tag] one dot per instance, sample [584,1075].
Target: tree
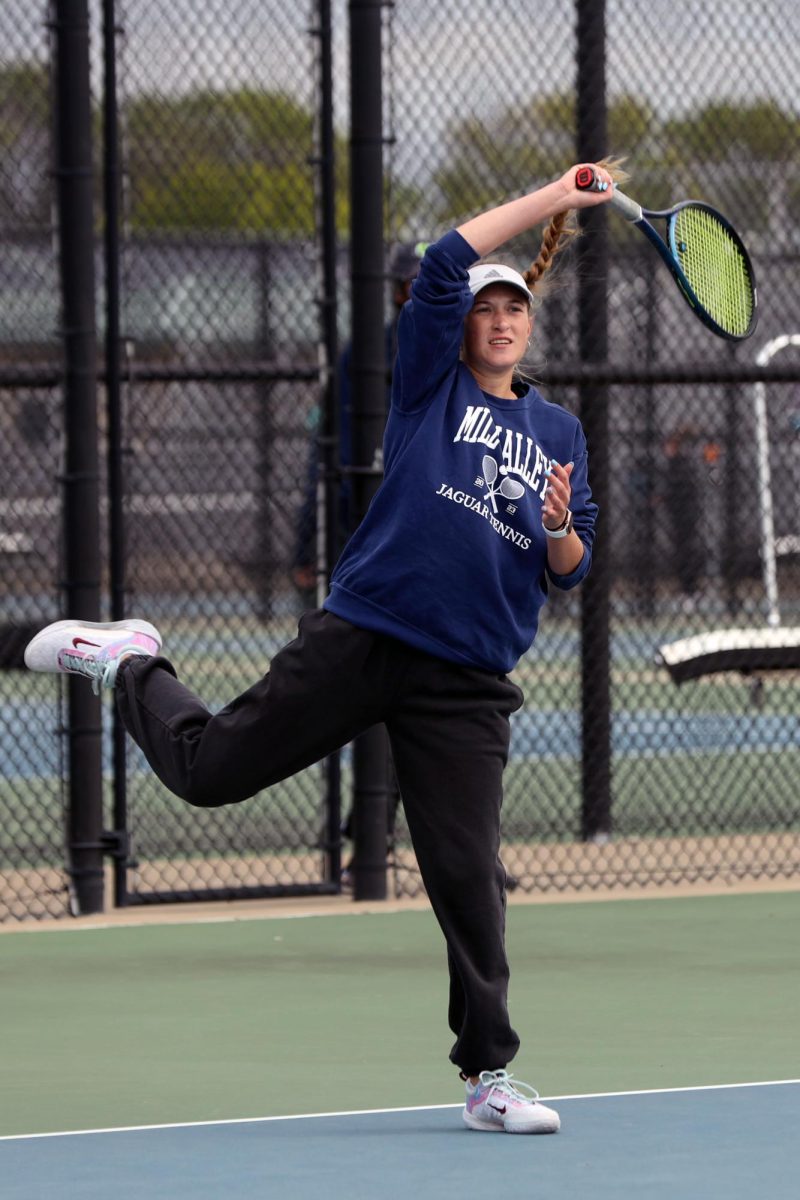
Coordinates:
[221,161]
[723,131]
[722,152]
[231,162]
[515,150]
[753,150]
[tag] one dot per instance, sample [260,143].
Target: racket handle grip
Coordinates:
[586,181]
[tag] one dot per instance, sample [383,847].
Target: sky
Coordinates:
[698,48]
[679,52]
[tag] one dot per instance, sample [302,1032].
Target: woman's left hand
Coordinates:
[557,495]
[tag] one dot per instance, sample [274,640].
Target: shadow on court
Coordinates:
[692,1145]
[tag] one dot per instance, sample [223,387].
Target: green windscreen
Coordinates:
[713,262]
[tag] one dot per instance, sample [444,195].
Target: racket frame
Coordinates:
[668,250]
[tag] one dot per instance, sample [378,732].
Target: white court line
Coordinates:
[369,1112]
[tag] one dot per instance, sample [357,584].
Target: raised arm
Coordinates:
[498,225]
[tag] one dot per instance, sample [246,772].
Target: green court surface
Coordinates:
[229,1019]
[298,1057]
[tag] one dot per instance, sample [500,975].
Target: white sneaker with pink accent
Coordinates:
[498,1104]
[91,648]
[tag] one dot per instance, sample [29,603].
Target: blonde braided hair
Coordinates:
[559,231]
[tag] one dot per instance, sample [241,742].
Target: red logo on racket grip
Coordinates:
[584,178]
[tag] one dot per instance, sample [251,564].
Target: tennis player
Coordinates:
[485,503]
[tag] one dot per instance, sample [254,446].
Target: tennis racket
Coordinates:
[704,253]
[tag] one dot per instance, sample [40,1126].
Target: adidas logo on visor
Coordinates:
[484,274]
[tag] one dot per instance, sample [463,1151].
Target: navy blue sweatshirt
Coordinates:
[451,556]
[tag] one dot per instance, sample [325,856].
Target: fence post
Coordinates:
[117,838]
[266,555]
[734,561]
[593,347]
[328,528]
[81,574]
[370,757]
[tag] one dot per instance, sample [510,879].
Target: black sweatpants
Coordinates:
[448,727]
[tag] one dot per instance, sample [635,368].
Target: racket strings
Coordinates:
[716,268]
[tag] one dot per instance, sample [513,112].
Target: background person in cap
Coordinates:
[403,268]
[484,504]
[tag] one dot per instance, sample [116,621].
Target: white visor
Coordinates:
[487,273]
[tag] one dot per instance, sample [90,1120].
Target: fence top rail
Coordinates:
[50,375]
[690,373]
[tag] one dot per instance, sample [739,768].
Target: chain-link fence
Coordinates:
[221,321]
[31,790]
[702,103]
[216,258]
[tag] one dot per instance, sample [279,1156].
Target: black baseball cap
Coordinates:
[405,260]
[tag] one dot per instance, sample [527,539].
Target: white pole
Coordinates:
[769,563]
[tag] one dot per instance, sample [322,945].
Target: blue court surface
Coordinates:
[734,1142]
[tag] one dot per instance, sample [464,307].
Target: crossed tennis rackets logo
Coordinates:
[509,489]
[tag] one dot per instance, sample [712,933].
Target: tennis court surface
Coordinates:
[693,1144]
[300,1057]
